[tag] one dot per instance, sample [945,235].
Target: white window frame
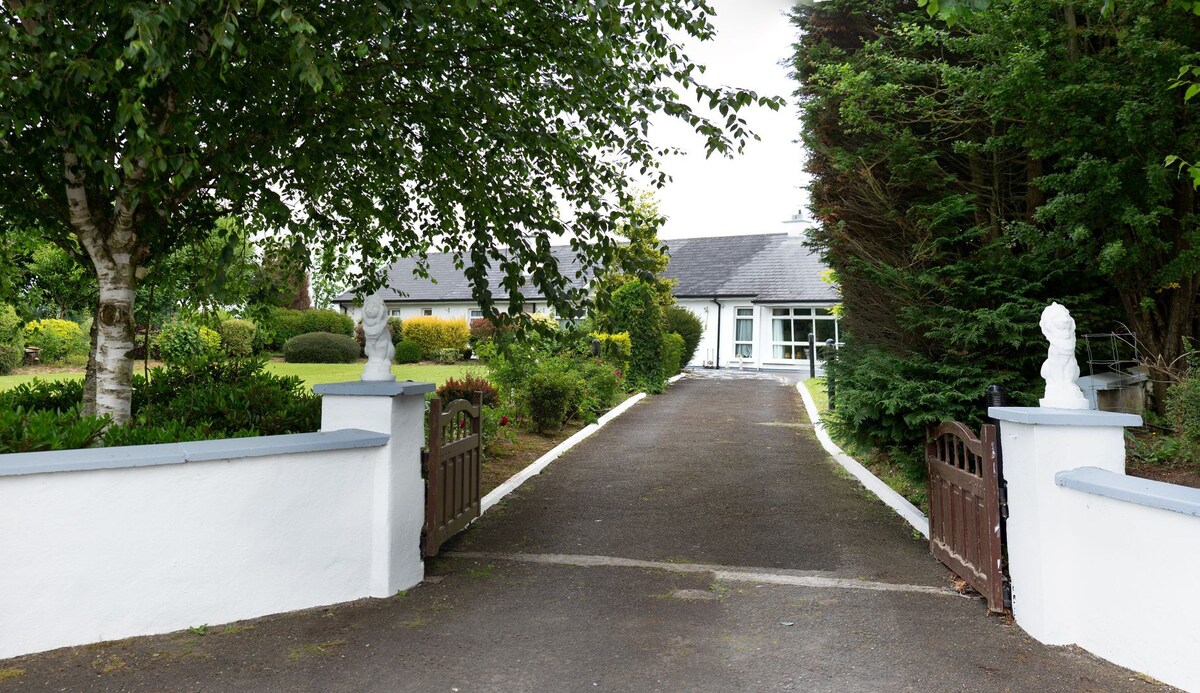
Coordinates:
[738,317]
[474,315]
[426,312]
[794,344]
[799,344]
[395,313]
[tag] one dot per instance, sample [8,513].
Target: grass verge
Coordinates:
[879,463]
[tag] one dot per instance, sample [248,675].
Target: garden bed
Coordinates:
[508,458]
[1144,459]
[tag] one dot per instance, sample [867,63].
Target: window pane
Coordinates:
[745,330]
[824,311]
[825,330]
[780,311]
[782,351]
[743,351]
[784,329]
[745,311]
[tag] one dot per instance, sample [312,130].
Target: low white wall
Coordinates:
[1096,558]
[1134,570]
[150,539]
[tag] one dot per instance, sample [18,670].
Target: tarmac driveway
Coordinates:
[701,541]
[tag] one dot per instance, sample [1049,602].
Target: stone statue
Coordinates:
[379,347]
[1060,369]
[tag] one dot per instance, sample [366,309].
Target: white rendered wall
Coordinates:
[706,311]
[761,357]
[102,554]
[1108,575]
[1134,573]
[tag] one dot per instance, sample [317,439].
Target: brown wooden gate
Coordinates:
[452,469]
[964,506]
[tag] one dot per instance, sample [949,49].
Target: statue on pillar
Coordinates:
[379,348]
[1060,369]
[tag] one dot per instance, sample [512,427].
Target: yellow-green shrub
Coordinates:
[10,326]
[237,336]
[615,348]
[57,339]
[437,333]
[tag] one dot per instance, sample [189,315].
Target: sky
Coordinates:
[761,189]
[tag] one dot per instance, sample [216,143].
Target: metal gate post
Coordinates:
[812,355]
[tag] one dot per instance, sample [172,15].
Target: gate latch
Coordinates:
[1004,501]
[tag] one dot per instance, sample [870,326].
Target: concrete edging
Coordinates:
[515,481]
[874,484]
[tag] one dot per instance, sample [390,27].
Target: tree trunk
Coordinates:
[113,348]
[114,251]
[1072,32]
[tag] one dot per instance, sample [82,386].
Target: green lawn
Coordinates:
[11,381]
[310,373]
[315,373]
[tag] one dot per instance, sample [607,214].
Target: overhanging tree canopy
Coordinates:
[370,129]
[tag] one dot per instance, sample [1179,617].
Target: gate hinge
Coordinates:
[1008,594]
[1004,501]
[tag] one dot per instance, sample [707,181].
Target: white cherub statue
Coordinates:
[379,347]
[1060,369]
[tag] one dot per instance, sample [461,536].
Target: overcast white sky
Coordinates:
[759,190]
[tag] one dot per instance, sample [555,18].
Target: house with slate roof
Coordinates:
[758,297]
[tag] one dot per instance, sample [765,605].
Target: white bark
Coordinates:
[114,342]
[109,389]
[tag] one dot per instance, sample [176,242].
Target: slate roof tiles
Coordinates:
[769,268]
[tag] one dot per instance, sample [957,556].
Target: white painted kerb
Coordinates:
[911,514]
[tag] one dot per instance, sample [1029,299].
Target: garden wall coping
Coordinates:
[375,388]
[87,459]
[1047,416]
[1131,489]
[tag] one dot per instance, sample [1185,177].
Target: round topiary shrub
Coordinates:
[321,347]
[408,352]
[10,357]
[57,339]
[237,337]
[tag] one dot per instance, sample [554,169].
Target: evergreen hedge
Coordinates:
[321,347]
[435,334]
[684,323]
[635,309]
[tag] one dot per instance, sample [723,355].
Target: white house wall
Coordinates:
[703,308]
[706,354]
